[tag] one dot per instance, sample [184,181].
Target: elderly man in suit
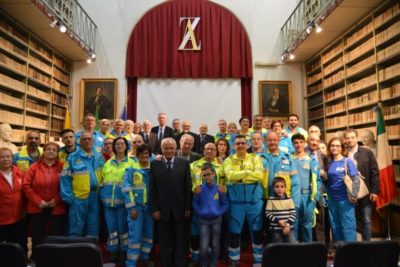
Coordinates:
[186,151]
[162,130]
[149,138]
[171,193]
[203,138]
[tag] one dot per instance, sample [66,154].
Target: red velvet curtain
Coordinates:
[153,47]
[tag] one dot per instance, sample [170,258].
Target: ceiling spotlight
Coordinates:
[283,57]
[309,29]
[318,29]
[54,23]
[93,55]
[89,61]
[291,56]
[63,28]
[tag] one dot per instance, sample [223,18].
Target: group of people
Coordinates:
[273,181]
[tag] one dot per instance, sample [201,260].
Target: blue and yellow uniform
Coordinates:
[244,179]
[136,184]
[22,159]
[79,184]
[64,153]
[195,169]
[114,209]
[98,140]
[308,170]
[280,164]
[220,135]
[297,130]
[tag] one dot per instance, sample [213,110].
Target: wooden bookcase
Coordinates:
[34,82]
[348,78]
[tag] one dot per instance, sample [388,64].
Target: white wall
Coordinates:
[115,20]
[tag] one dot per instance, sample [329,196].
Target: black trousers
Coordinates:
[39,222]
[15,233]
[173,242]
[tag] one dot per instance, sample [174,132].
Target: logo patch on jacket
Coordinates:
[78,161]
[216,196]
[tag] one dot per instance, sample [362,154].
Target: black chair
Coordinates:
[12,255]
[53,239]
[69,255]
[367,254]
[289,255]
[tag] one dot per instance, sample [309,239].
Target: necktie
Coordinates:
[169,165]
[161,134]
[146,138]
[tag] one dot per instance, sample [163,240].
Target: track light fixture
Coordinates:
[318,29]
[63,29]
[89,61]
[54,23]
[291,56]
[309,29]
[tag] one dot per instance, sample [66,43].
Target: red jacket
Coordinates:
[42,182]
[11,199]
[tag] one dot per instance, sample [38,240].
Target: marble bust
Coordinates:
[5,137]
[368,139]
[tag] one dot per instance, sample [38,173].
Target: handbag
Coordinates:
[363,190]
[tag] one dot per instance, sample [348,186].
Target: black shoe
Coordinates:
[114,257]
[233,263]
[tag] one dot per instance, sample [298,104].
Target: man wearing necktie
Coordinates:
[149,137]
[162,131]
[171,193]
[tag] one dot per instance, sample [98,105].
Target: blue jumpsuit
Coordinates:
[136,195]
[244,179]
[97,138]
[308,171]
[79,184]
[113,200]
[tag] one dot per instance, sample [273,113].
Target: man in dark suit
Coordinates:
[170,193]
[367,165]
[162,131]
[203,138]
[186,127]
[186,151]
[149,138]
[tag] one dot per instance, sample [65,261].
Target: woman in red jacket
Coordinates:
[12,226]
[41,186]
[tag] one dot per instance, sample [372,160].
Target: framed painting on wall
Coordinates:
[275,99]
[98,97]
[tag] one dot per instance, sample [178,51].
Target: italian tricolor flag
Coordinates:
[387,183]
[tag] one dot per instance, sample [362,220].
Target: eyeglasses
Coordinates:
[207,174]
[108,144]
[240,143]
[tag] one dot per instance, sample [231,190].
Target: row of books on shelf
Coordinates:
[362,83]
[387,34]
[59,87]
[60,75]
[388,51]
[364,99]
[35,106]
[365,63]
[39,76]
[336,122]
[58,99]
[389,72]
[12,83]
[57,125]
[314,88]
[334,78]
[40,49]
[331,53]
[39,64]
[359,34]
[38,93]
[18,136]
[11,101]
[5,26]
[362,117]
[390,92]
[12,64]
[316,113]
[314,78]
[336,108]
[333,66]
[11,117]
[36,122]
[387,14]
[7,45]
[391,112]
[59,112]
[313,66]
[335,94]
[61,63]
[396,152]
[393,131]
[359,50]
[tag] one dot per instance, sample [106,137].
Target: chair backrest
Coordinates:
[68,255]
[289,255]
[367,254]
[12,255]
[53,239]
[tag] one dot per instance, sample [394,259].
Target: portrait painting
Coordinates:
[275,98]
[98,97]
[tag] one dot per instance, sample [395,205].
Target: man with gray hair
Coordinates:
[149,138]
[171,202]
[186,147]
